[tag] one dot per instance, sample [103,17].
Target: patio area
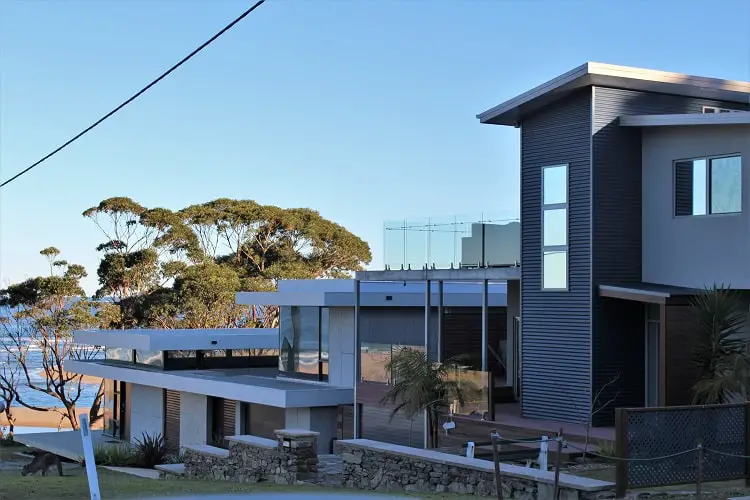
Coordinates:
[64,443]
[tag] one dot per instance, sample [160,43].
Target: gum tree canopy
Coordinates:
[182,268]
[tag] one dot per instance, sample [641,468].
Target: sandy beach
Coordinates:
[31,418]
[87,379]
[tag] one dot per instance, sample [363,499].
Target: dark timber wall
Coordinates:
[556,345]
[616,236]
[681,373]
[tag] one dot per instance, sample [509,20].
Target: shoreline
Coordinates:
[25,417]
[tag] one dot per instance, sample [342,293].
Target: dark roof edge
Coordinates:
[609,75]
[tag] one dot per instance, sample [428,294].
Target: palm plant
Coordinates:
[421,385]
[721,351]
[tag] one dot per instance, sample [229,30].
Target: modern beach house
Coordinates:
[633,195]
[199,387]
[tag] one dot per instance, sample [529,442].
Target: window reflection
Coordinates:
[303,339]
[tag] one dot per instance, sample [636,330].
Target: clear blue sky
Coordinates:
[364,110]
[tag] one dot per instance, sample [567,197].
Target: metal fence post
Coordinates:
[496,461]
[558,459]
[621,447]
[544,453]
[699,483]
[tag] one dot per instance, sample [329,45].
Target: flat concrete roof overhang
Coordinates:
[509,273]
[384,292]
[609,75]
[182,339]
[236,384]
[686,119]
[645,292]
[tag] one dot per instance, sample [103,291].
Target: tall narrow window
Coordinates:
[704,186]
[555,227]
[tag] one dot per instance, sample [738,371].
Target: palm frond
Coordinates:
[720,354]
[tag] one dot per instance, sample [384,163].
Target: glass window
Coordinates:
[726,185]
[555,185]
[555,228]
[708,186]
[555,267]
[119,354]
[150,358]
[301,340]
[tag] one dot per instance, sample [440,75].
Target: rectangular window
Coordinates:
[711,185]
[303,340]
[555,227]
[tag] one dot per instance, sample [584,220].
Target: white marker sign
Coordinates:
[88,455]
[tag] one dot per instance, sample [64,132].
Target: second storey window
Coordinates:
[711,185]
[555,227]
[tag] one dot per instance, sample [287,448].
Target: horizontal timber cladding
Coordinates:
[681,373]
[230,417]
[556,330]
[380,424]
[617,233]
[172,420]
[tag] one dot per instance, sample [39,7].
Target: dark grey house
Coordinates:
[631,198]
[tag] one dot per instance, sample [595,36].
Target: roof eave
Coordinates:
[606,75]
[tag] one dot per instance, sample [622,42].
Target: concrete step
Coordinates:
[171,469]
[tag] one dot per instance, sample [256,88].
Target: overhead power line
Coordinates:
[137,94]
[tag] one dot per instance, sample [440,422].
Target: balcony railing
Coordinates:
[452,241]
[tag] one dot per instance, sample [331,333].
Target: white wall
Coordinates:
[297,418]
[341,346]
[325,421]
[693,251]
[146,411]
[193,418]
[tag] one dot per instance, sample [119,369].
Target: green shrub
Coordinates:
[116,455]
[150,450]
[606,448]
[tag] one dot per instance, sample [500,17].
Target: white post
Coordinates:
[543,449]
[88,456]
[470,449]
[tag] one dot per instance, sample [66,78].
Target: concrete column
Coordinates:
[357,358]
[147,415]
[193,419]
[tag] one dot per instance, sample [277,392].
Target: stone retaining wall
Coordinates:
[289,459]
[372,465]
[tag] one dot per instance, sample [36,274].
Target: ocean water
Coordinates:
[37,398]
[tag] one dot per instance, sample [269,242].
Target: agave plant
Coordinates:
[721,352]
[150,450]
[421,385]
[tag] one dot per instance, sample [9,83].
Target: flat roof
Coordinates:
[511,111]
[392,289]
[182,339]
[241,384]
[686,119]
